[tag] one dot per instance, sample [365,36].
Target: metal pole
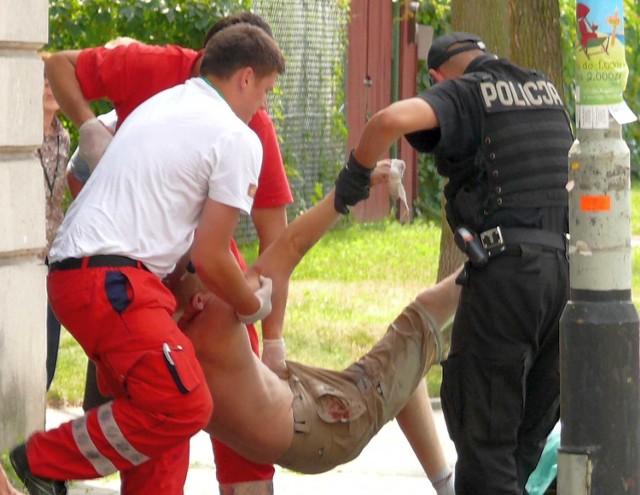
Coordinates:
[599,329]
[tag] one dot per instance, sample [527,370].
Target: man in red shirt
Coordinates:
[128,75]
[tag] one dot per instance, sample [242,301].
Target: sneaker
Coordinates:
[33,483]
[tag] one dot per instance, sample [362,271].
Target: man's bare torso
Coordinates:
[252,406]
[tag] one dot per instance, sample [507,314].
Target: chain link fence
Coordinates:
[308,102]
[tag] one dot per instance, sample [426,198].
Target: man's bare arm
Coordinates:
[61,72]
[281,257]
[304,232]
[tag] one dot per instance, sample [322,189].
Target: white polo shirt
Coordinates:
[145,198]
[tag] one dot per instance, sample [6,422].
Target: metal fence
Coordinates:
[308,102]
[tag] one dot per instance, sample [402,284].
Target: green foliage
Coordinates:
[318,193]
[436,14]
[83,23]
[569,41]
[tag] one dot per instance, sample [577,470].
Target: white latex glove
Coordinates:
[264,296]
[396,188]
[274,354]
[93,139]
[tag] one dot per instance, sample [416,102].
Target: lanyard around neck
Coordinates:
[211,84]
[51,181]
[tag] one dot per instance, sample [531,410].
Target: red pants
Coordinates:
[122,319]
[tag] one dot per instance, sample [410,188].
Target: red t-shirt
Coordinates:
[131,74]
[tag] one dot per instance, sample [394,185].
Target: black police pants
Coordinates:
[500,390]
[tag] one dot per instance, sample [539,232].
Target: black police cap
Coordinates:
[439,52]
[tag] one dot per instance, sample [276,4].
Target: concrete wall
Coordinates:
[23,30]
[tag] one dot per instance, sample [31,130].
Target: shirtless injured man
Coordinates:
[311,420]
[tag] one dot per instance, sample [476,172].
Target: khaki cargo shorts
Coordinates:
[336,413]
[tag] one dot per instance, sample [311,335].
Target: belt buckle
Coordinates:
[492,241]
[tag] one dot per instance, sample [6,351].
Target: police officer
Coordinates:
[501,136]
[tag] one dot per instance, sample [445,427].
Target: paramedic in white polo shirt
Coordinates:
[185,159]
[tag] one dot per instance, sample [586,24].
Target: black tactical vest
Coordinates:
[522,159]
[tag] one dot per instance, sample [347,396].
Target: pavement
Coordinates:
[386,465]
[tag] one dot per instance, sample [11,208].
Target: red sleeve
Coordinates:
[273,186]
[88,72]
[128,75]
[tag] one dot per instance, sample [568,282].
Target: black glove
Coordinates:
[352,185]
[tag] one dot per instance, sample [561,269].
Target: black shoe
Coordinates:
[33,483]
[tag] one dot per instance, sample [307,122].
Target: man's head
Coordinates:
[191,294]
[243,62]
[451,53]
[232,20]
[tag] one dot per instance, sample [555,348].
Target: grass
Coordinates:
[343,295]
[68,383]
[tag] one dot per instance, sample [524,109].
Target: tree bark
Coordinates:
[450,256]
[527,32]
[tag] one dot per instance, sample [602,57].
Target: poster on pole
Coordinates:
[601,67]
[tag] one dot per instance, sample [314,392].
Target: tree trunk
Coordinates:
[450,256]
[527,32]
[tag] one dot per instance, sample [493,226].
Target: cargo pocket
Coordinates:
[342,424]
[180,368]
[148,378]
[335,408]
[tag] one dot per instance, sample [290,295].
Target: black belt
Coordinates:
[102,260]
[497,239]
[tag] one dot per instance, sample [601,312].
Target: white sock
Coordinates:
[443,482]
